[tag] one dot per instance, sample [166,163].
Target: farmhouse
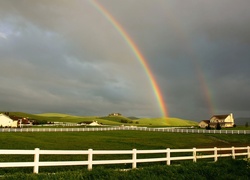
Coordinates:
[115,114]
[6,121]
[226,120]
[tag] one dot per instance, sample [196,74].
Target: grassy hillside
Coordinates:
[116,119]
[29,116]
[150,121]
[113,120]
[166,122]
[66,118]
[54,115]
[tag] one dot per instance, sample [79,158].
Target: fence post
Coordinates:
[90,159]
[248,151]
[134,157]
[233,152]
[215,154]
[194,154]
[36,160]
[168,156]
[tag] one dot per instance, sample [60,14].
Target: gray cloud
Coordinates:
[65,56]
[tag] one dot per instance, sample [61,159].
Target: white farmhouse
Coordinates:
[226,120]
[6,121]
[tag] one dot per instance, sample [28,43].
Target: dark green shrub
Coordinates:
[208,127]
[218,126]
[223,169]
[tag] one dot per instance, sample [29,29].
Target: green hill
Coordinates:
[106,120]
[26,115]
[117,119]
[54,115]
[166,122]
[57,117]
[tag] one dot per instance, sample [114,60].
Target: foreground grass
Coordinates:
[224,169]
[107,140]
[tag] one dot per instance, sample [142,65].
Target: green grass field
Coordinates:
[118,140]
[107,140]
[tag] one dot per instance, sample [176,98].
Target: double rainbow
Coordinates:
[137,53]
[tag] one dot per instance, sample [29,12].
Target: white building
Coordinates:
[226,120]
[94,123]
[6,121]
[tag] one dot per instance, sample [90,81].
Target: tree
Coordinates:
[124,121]
[208,127]
[218,127]
[246,124]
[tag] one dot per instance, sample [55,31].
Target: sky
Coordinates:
[67,57]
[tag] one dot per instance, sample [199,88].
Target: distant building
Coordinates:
[204,123]
[226,120]
[94,123]
[115,114]
[6,121]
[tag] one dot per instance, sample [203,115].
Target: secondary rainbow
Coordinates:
[194,57]
[137,53]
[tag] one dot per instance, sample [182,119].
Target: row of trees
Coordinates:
[128,121]
[217,127]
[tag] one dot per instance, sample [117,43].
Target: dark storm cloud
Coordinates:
[209,35]
[65,56]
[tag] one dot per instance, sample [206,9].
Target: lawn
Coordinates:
[118,140]
[106,140]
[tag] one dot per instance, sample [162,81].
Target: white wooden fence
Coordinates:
[168,156]
[116,128]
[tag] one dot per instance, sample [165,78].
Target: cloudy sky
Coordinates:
[65,56]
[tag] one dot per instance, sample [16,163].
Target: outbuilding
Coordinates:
[6,121]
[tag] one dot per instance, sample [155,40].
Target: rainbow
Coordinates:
[185,38]
[137,53]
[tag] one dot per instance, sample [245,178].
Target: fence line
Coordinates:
[169,155]
[168,129]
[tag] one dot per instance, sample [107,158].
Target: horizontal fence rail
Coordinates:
[168,155]
[167,129]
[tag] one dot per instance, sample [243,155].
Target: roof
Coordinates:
[220,116]
[4,115]
[205,121]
